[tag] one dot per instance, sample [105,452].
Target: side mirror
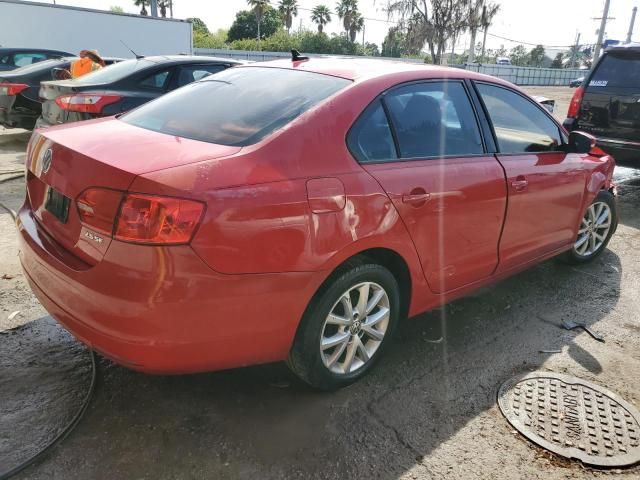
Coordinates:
[580,142]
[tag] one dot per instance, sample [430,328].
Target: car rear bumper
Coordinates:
[13,119]
[161,309]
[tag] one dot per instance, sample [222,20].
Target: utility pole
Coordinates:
[171,8]
[154,8]
[603,27]
[633,21]
[575,51]
[364,26]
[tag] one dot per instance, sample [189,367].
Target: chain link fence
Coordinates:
[519,75]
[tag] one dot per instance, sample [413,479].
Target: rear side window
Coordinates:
[434,119]
[520,125]
[238,106]
[24,59]
[370,138]
[193,73]
[618,71]
[155,81]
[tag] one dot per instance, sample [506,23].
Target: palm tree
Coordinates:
[259,7]
[143,4]
[480,16]
[321,15]
[288,9]
[357,24]
[347,11]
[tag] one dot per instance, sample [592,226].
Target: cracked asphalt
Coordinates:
[428,411]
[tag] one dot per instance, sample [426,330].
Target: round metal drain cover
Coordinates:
[573,418]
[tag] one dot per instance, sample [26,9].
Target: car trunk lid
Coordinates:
[51,111]
[63,162]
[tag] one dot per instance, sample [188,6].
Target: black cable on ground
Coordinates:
[79,414]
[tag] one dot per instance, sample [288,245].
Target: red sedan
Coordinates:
[297,210]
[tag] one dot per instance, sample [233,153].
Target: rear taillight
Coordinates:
[86,102]
[12,89]
[576,103]
[139,218]
[97,208]
[157,220]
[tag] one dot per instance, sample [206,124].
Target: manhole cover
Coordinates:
[573,418]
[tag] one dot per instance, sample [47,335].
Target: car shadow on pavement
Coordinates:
[440,375]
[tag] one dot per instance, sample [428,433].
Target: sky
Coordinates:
[548,22]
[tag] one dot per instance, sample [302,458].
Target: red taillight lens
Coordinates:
[86,102]
[12,89]
[576,103]
[97,208]
[158,220]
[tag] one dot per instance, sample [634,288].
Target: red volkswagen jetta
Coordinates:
[297,210]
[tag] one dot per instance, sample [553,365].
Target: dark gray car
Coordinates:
[122,87]
[12,58]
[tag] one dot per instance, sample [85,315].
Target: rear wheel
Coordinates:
[596,228]
[346,327]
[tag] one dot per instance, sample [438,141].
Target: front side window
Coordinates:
[236,107]
[520,126]
[434,119]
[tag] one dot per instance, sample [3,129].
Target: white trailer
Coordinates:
[71,29]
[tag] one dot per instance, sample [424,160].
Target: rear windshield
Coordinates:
[114,72]
[238,107]
[34,67]
[617,70]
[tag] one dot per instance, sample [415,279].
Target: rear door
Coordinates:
[421,141]
[545,184]
[611,103]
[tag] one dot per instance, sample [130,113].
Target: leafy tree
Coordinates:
[393,44]
[518,55]
[481,15]
[502,52]
[162,6]
[143,4]
[371,49]
[246,25]
[198,25]
[116,9]
[557,62]
[320,15]
[434,22]
[288,9]
[210,40]
[536,56]
[259,8]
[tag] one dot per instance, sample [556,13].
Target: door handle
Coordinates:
[520,184]
[415,198]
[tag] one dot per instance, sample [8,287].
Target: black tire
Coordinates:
[572,257]
[305,359]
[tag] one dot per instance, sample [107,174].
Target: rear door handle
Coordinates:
[415,197]
[520,184]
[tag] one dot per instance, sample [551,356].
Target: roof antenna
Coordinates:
[138,57]
[296,57]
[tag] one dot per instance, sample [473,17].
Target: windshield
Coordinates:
[114,72]
[238,107]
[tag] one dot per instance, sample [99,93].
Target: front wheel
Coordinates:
[346,327]
[596,228]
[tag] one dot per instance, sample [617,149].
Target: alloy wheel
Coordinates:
[594,229]
[355,327]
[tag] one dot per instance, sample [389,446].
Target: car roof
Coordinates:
[190,59]
[627,47]
[359,68]
[5,50]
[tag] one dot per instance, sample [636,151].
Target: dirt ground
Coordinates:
[428,411]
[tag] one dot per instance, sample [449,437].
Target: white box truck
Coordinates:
[71,29]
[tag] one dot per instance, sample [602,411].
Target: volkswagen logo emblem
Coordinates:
[46,160]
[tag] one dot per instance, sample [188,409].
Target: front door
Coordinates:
[422,143]
[545,185]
